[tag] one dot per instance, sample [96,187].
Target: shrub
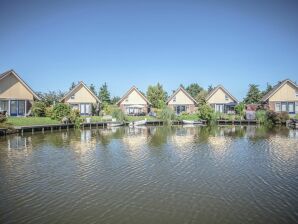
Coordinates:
[167,115]
[2,118]
[239,108]
[296,116]
[39,109]
[118,114]
[186,116]
[205,112]
[283,117]
[277,118]
[60,111]
[49,111]
[108,109]
[261,116]
[75,117]
[272,117]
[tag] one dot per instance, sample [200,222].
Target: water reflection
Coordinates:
[133,138]
[150,175]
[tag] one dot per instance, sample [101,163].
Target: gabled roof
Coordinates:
[81,83]
[130,91]
[12,72]
[277,87]
[212,92]
[185,92]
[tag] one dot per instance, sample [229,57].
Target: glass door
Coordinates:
[291,107]
[21,108]
[13,108]
[82,108]
[88,109]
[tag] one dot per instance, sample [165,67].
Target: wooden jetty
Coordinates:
[51,127]
[238,122]
[104,124]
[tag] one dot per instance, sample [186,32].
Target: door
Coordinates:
[13,108]
[82,109]
[21,108]
[88,109]
[291,107]
[85,109]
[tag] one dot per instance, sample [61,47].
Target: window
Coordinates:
[277,107]
[291,108]
[296,93]
[296,107]
[72,97]
[284,107]
[174,99]
[3,105]
[226,97]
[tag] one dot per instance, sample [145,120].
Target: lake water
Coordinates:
[151,175]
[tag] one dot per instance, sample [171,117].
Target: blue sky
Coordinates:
[125,43]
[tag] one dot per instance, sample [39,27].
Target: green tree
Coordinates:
[92,88]
[156,95]
[239,108]
[194,89]
[210,88]
[104,94]
[267,90]
[51,97]
[254,94]
[115,99]
[201,97]
[73,85]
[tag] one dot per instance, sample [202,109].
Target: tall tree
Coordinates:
[201,97]
[253,95]
[73,85]
[92,88]
[115,99]
[268,89]
[156,95]
[51,97]
[210,88]
[104,94]
[194,89]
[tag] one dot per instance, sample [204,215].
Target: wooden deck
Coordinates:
[33,128]
[103,124]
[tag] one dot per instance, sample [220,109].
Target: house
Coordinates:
[283,97]
[134,102]
[221,100]
[16,96]
[182,101]
[82,98]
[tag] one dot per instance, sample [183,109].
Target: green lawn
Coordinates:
[193,117]
[28,121]
[139,118]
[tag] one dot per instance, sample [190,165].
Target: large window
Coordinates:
[284,107]
[277,107]
[180,108]
[296,108]
[3,105]
[291,108]
[219,108]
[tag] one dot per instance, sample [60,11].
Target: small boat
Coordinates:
[115,124]
[138,123]
[191,122]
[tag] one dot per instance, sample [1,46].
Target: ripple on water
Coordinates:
[161,175]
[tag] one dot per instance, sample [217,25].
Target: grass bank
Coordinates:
[28,121]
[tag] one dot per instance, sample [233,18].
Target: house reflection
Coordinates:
[135,138]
